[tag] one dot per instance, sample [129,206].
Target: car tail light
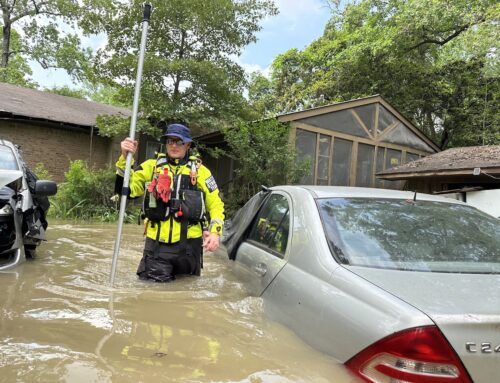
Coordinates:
[417,355]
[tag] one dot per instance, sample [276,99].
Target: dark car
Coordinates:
[23,207]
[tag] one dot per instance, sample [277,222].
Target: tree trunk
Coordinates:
[176,97]
[5,45]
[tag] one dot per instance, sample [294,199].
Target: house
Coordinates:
[347,143]
[54,129]
[470,174]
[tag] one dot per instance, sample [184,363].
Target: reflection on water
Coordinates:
[60,321]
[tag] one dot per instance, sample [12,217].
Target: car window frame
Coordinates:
[263,246]
[15,156]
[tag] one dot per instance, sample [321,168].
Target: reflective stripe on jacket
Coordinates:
[170,229]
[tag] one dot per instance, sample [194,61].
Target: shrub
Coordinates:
[41,172]
[264,156]
[86,194]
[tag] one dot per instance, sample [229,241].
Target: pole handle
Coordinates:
[147,12]
[133,122]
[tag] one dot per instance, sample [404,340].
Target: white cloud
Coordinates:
[251,68]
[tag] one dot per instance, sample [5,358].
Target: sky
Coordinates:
[298,23]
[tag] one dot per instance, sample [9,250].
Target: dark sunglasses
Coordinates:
[174,141]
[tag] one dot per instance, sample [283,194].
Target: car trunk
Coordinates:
[465,307]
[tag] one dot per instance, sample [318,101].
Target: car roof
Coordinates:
[361,192]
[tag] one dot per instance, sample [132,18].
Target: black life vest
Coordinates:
[186,201]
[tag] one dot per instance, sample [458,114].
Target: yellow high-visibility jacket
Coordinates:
[170,229]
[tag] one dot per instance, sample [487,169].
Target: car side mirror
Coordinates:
[45,188]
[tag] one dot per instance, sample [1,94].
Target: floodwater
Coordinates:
[60,321]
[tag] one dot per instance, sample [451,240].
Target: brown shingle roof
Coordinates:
[30,103]
[451,160]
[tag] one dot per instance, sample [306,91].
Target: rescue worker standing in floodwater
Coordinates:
[176,188]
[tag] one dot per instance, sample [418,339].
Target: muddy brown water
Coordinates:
[60,321]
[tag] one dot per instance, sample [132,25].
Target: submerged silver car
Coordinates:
[398,286]
[23,207]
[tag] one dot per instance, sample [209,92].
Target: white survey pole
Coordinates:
[133,122]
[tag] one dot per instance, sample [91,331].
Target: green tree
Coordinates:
[253,145]
[108,94]
[67,91]
[50,33]
[188,71]
[434,60]
[261,95]
[18,70]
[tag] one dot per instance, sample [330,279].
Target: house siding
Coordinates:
[55,146]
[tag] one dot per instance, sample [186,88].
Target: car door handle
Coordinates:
[260,269]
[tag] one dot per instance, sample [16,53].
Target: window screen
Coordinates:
[403,136]
[367,114]
[341,167]
[364,165]
[342,121]
[385,119]
[379,183]
[393,159]
[411,157]
[323,176]
[272,224]
[305,144]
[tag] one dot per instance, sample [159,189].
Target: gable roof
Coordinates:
[25,103]
[331,108]
[455,161]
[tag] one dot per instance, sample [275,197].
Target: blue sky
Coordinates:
[297,25]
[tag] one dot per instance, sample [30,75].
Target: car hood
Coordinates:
[8,176]
[466,307]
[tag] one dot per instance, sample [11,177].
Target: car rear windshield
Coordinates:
[7,159]
[408,235]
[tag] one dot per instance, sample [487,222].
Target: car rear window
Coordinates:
[7,159]
[412,235]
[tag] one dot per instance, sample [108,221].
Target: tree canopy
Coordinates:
[434,60]
[18,70]
[189,71]
[49,34]
[253,147]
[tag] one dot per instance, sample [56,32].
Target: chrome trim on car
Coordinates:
[484,348]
